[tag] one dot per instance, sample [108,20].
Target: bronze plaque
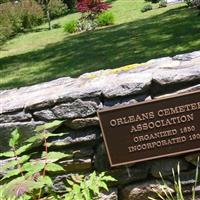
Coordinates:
[152,129]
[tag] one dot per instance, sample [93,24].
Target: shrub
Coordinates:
[57,8]
[27,175]
[90,9]
[189,3]
[105,19]
[32,13]
[6,29]
[146,8]
[17,17]
[92,6]
[193,3]
[71,27]
[163,3]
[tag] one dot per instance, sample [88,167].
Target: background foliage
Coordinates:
[18,17]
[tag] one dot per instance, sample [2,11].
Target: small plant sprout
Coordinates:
[177,192]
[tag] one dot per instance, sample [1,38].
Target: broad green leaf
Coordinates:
[13,163]
[12,173]
[102,174]
[86,192]
[45,180]
[53,167]
[37,185]
[8,154]
[70,182]
[14,138]
[25,197]
[76,188]
[35,138]
[39,137]
[55,156]
[49,126]
[108,178]
[34,166]
[23,149]
[103,185]
[57,143]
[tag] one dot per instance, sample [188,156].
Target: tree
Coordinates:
[45,3]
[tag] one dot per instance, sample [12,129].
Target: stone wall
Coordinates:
[76,100]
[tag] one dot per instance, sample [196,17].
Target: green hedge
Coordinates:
[15,17]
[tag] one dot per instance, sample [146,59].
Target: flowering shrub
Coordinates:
[93,6]
[90,9]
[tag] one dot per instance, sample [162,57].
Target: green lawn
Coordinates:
[137,37]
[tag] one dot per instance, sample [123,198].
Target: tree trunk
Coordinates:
[46,2]
[48,18]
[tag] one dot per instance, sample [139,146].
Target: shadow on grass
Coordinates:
[173,32]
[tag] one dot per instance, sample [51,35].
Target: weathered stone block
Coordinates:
[112,194]
[77,165]
[125,100]
[127,84]
[177,76]
[15,117]
[193,158]
[76,109]
[77,137]
[126,175]
[142,190]
[44,115]
[101,162]
[26,130]
[82,122]
[166,165]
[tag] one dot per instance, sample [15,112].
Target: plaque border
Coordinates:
[118,107]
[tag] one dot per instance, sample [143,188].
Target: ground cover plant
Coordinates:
[135,38]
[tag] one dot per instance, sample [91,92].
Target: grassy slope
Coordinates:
[136,37]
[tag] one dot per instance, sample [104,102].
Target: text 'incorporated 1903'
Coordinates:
[135,133]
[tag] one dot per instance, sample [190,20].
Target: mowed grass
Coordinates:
[136,37]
